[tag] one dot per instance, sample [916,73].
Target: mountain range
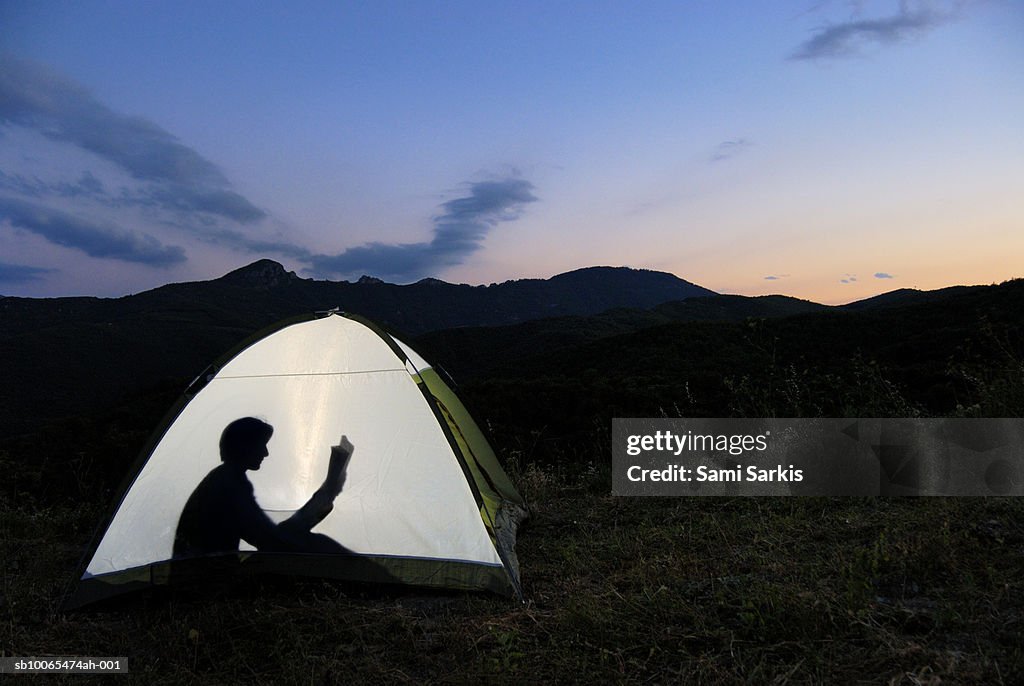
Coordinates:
[62,357]
[264,292]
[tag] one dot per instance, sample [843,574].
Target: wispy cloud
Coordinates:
[86,185]
[883,275]
[168,185]
[731,148]
[459,231]
[847,39]
[93,239]
[177,177]
[19,273]
[236,240]
[848,278]
[776,277]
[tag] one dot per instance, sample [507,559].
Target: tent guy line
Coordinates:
[359,371]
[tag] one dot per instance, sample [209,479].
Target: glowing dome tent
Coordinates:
[423,500]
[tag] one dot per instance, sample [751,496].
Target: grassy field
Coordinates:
[631,590]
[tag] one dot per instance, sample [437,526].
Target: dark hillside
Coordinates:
[475,351]
[907,296]
[936,359]
[66,356]
[737,307]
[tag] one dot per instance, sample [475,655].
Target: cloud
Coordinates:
[87,186]
[845,39]
[848,278]
[240,241]
[90,188]
[63,229]
[459,231]
[776,277]
[151,175]
[17,273]
[727,149]
[179,178]
[883,275]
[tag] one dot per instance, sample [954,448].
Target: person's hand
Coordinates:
[344,446]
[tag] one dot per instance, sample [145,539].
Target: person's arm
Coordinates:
[310,514]
[321,502]
[259,530]
[251,522]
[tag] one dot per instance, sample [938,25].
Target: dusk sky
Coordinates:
[826,150]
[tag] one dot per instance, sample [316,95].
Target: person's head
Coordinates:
[244,442]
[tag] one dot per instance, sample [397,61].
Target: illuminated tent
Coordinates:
[424,501]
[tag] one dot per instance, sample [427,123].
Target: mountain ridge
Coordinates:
[62,357]
[429,304]
[67,355]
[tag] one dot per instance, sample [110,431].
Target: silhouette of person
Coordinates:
[222,510]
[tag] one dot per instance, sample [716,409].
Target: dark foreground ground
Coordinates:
[765,591]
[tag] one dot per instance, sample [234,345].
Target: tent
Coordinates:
[423,500]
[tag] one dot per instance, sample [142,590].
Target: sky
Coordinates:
[825,150]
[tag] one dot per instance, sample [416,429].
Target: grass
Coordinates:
[619,590]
